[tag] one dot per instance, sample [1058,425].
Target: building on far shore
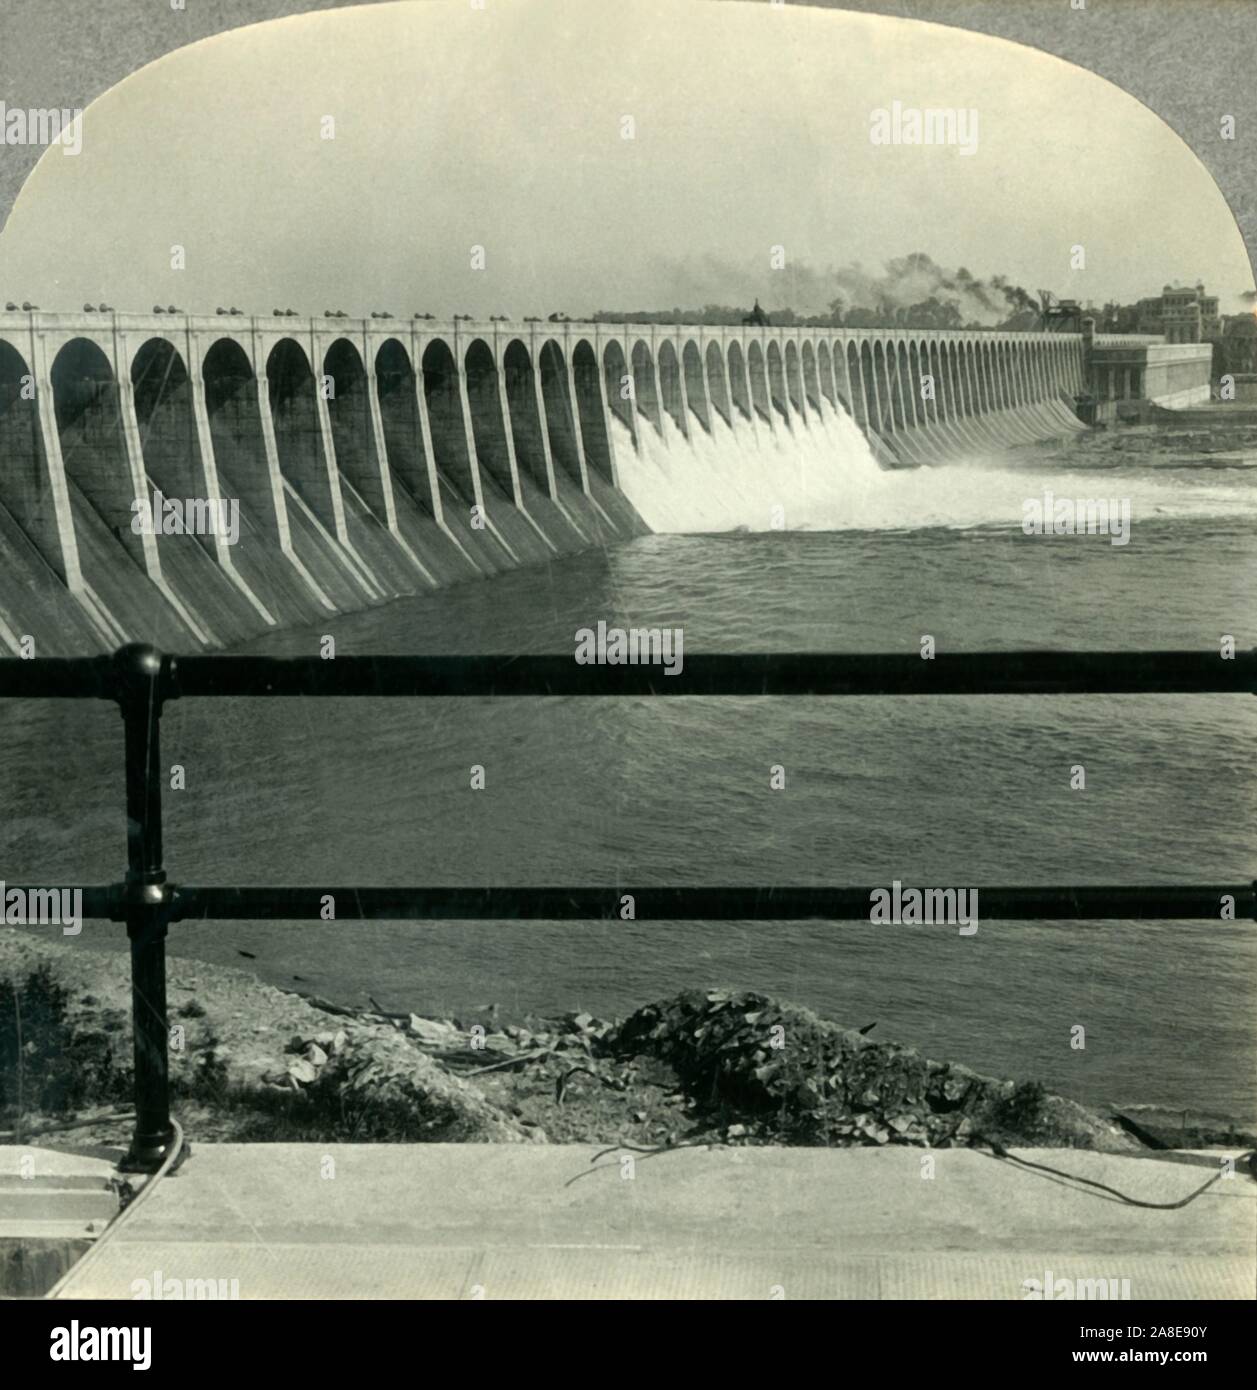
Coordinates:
[1180,314]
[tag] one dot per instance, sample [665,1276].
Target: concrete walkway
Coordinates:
[504,1221]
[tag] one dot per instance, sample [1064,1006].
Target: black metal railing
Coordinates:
[140,680]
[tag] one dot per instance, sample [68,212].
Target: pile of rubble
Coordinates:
[786,1076]
[384,1079]
[305,1059]
[739,1067]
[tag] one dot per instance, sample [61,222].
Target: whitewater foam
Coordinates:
[824,478]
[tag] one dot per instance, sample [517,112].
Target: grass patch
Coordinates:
[52,1060]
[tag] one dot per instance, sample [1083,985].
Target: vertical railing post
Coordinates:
[141,689]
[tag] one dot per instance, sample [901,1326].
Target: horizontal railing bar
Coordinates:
[742,674]
[1155,902]
[59,678]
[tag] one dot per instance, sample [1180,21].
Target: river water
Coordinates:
[948,791]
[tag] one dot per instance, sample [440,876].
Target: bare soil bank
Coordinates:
[250,1062]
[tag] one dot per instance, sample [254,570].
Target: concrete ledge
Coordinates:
[465,1221]
[46,1193]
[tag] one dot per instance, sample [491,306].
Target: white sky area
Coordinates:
[501,127]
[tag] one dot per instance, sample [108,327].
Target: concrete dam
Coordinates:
[363,460]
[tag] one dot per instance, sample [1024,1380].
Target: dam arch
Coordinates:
[235,425]
[455,467]
[881,413]
[717,382]
[794,379]
[740,381]
[956,380]
[920,417]
[26,489]
[1007,374]
[948,409]
[670,384]
[695,385]
[619,379]
[776,380]
[825,373]
[165,413]
[900,409]
[973,366]
[1005,386]
[811,382]
[560,418]
[964,406]
[757,371]
[894,393]
[488,428]
[298,432]
[588,384]
[930,403]
[644,385]
[524,414]
[986,383]
[398,387]
[349,417]
[88,412]
[942,406]
[868,378]
[942,382]
[855,375]
[897,358]
[843,392]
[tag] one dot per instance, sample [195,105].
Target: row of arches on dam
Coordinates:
[334,470]
[917,399]
[333,474]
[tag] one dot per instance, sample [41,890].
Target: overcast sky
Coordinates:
[503,127]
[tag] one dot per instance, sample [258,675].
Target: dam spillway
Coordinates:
[369,459]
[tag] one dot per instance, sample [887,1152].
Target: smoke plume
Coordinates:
[908,291]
